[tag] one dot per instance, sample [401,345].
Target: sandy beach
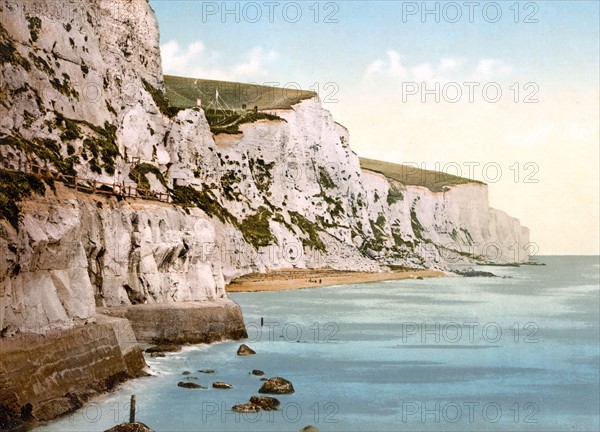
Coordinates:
[289,279]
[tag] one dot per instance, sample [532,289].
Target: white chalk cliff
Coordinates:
[78,92]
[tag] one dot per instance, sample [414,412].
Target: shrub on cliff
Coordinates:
[14,187]
[161,101]
[256,229]
[138,174]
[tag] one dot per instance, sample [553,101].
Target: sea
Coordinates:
[518,352]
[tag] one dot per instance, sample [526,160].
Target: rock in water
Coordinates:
[246,408]
[277,385]
[222,385]
[265,402]
[186,373]
[309,429]
[130,427]
[163,348]
[245,350]
[474,273]
[190,385]
[206,371]
[257,372]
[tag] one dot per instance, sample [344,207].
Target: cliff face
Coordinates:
[82,93]
[73,253]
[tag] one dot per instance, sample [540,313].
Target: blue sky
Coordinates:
[371,53]
[561,43]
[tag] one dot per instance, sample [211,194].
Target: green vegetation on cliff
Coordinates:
[161,100]
[256,229]
[229,122]
[205,200]
[8,51]
[310,229]
[138,174]
[14,187]
[412,176]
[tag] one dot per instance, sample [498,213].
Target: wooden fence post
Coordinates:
[132,410]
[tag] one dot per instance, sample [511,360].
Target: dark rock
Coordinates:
[277,385]
[163,348]
[246,408]
[264,379]
[245,350]
[222,385]
[157,355]
[190,385]
[265,402]
[207,371]
[186,373]
[191,378]
[130,427]
[474,273]
[309,429]
[257,372]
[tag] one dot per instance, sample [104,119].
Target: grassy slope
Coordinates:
[183,92]
[411,176]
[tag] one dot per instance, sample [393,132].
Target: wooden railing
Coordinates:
[89,185]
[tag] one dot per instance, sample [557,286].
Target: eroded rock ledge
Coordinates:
[184,323]
[45,376]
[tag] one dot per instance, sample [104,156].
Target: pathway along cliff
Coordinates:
[278,188]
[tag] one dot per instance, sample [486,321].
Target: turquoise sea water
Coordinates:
[449,354]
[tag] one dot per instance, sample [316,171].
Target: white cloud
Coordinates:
[374,68]
[423,73]
[194,60]
[391,66]
[255,61]
[395,67]
[451,64]
[491,68]
[445,70]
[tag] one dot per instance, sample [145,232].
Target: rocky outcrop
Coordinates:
[245,350]
[130,427]
[277,385]
[247,408]
[266,403]
[44,376]
[190,385]
[184,323]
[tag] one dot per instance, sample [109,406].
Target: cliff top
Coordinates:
[183,92]
[412,176]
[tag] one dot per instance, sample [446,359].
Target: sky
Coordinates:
[504,92]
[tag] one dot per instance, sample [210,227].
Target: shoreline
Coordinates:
[294,279]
